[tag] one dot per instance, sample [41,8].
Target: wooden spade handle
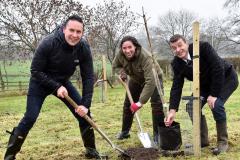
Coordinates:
[90,121]
[131,101]
[127,90]
[74,104]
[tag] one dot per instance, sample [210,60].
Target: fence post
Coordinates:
[104,72]
[20,85]
[1,79]
[2,85]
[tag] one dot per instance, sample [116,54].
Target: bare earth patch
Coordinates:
[141,154]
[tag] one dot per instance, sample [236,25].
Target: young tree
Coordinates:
[111,21]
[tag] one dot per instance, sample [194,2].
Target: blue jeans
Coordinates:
[35,98]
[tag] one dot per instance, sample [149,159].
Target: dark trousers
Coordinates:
[35,98]
[156,104]
[230,85]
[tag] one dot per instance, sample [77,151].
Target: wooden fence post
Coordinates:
[2,82]
[20,86]
[2,85]
[104,72]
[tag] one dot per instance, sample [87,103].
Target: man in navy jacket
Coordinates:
[54,62]
[218,80]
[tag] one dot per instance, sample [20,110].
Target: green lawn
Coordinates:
[23,69]
[55,136]
[19,74]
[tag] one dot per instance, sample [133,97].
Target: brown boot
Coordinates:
[204,132]
[222,138]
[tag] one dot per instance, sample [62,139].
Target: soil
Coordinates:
[141,154]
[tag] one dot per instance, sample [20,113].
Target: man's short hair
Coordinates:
[176,37]
[73,17]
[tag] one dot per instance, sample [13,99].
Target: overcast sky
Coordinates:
[155,8]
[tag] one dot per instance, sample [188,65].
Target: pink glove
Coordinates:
[135,106]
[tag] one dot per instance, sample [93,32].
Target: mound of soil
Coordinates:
[141,154]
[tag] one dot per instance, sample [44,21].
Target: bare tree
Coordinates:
[169,24]
[233,21]
[213,31]
[233,32]
[111,21]
[175,23]
[231,3]
[25,22]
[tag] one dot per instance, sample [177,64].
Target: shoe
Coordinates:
[123,135]
[93,153]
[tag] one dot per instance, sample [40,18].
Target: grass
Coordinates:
[19,73]
[55,135]
[23,69]
[17,68]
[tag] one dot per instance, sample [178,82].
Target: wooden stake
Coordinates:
[104,70]
[196,92]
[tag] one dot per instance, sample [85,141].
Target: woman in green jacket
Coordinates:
[137,63]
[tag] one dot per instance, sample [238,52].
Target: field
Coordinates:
[55,136]
[18,74]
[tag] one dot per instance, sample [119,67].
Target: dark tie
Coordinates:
[188,61]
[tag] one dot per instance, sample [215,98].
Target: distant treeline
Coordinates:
[235,61]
